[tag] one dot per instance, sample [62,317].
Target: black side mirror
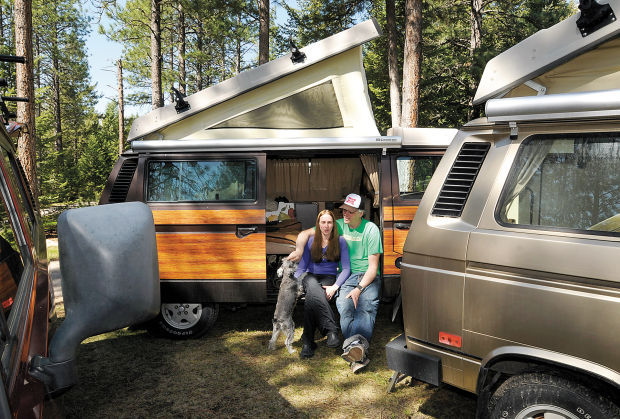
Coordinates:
[110,280]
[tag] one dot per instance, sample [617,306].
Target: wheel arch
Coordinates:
[507,361]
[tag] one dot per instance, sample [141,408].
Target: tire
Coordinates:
[539,395]
[184,320]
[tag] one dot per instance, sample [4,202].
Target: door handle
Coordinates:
[246,231]
[402,226]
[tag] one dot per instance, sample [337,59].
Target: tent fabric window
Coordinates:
[313,108]
[313,180]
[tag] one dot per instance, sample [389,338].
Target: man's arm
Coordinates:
[369,276]
[302,239]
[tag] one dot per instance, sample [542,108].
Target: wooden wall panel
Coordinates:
[219,216]
[211,256]
[388,264]
[399,213]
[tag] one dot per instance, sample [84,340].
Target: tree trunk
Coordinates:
[199,46]
[238,48]
[394,76]
[157,98]
[412,62]
[121,109]
[25,87]
[56,95]
[263,35]
[181,34]
[475,41]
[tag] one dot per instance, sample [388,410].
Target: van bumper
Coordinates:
[417,365]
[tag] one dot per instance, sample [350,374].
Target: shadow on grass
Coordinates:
[231,373]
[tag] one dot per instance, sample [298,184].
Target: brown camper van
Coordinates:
[510,273]
[234,172]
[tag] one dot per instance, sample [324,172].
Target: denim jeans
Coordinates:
[361,320]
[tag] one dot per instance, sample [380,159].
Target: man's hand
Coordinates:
[330,291]
[295,255]
[354,295]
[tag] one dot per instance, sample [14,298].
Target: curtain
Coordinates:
[313,180]
[371,166]
[530,158]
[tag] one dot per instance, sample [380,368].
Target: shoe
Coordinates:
[354,353]
[357,366]
[307,351]
[333,340]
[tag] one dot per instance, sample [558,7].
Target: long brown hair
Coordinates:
[333,245]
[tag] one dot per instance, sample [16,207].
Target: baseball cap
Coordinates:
[352,201]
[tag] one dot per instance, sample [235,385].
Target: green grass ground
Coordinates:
[231,373]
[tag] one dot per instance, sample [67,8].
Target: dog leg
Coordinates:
[274,336]
[290,335]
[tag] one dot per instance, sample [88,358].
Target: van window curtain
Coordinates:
[313,180]
[530,158]
[372,168]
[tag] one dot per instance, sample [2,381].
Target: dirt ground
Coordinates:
[231,373]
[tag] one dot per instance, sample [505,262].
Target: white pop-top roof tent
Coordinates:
[560,59]
[324,95]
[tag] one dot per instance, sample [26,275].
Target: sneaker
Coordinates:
[333,340]
[357,366]
[354,353]
[307,351]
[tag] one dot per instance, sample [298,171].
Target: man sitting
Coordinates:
[358,297]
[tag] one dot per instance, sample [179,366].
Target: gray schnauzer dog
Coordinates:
[290,289]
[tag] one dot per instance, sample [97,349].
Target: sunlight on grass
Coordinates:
[230,372]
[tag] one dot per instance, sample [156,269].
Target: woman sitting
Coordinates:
[320,260]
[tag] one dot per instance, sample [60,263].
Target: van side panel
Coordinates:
[575,315]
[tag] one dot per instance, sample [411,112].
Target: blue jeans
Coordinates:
[361,320]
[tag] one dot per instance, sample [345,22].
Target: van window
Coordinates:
[414,174]
[202,181]
[316,107]
[570,182]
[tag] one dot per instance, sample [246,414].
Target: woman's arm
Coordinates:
[305,260]
[344,272]
[345,263]
[302,239]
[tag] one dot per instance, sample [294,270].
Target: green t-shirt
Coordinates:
[363,241]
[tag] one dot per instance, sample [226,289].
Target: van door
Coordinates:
[405,178]
[209,214]
[542,266]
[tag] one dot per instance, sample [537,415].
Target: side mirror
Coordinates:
[110,280]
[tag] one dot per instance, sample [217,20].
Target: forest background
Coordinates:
[193,44]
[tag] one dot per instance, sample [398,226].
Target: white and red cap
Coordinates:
[352,201]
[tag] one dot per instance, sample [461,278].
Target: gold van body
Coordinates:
[511,268]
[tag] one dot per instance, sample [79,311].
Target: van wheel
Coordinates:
[184,320]
[538,396]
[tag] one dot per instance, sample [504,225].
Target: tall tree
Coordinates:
[25,87]
[181,53]
[395,104]
[157,99]
[412,63]
[263,37]
[121,108]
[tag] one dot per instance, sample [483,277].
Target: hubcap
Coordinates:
[545,411]
[181,316]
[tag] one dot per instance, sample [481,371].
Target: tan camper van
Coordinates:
[234,172]
[511,269]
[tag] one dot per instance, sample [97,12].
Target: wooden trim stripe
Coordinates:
[399,213]
[211,256]
[219,216]
[389,268]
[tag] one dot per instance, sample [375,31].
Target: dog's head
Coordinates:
[287,267]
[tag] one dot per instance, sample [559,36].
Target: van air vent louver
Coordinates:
[461,178]
[123,181]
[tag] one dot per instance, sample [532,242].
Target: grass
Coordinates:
[231,373]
